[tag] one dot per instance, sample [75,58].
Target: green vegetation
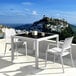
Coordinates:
[73,28]
[67,32]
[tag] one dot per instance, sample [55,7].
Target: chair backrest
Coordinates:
[67,43]
[9,32]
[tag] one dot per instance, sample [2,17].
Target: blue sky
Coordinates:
[28,11]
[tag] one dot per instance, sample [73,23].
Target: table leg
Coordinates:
[12,49]
[36,53]
[34,45]
[57,40]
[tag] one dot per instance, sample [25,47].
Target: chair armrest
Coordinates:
[49,40]
[48,46]
[52,44]
[61,40]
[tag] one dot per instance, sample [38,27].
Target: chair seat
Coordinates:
[18,42]
[58,51]
[8,43]
[25,43]
[55,50]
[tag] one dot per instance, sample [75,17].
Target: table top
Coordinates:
[35,36]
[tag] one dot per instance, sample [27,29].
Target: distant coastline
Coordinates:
[16,25]
[26,26]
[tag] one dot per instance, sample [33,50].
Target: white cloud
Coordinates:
[27,9]
[26,3]
[34,13]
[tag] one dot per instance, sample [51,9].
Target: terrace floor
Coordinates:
[25,65]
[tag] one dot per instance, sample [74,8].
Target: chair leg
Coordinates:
[54,58]
[16,50]
[46,59]
[26,49]
[62,63]
[5,49]
[71,58]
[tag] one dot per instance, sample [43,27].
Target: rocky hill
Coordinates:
[53,25]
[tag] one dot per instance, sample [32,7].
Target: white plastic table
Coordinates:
[36,44]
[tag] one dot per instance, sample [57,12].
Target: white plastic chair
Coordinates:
[22,43]
[10,32]
[63,51]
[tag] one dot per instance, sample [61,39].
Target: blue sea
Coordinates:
[24,26]
[18,26]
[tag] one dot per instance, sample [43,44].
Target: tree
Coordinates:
[67,32]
